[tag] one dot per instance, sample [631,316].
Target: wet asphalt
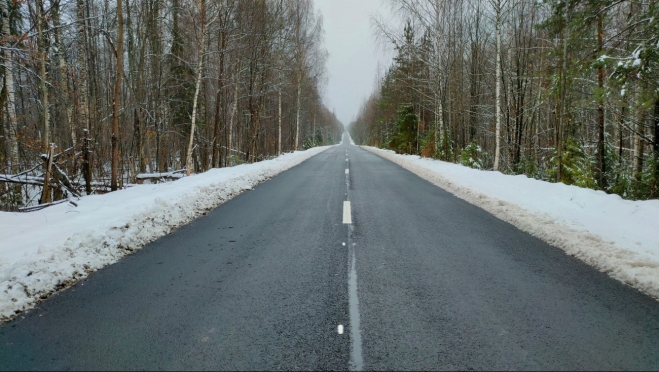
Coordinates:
[261,283]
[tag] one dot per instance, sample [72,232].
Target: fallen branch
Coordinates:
[42,206]
[22,179]
[175,175]
[62,178]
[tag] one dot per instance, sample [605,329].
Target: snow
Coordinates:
[52,248]
[636,57]
[346,134]
[616,236]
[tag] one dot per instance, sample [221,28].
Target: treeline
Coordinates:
[98,92]
[559,90]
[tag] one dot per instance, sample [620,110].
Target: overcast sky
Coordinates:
[353,54]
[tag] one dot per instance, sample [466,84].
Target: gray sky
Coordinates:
[353,54]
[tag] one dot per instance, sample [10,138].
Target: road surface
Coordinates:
[414,277]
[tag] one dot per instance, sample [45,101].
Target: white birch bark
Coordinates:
[439,113]
[200,68]
[297,111]
[279,123]
[497,134]
[63,71]
[234,109]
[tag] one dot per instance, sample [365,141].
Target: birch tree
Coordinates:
[538,88]
[497,5]
[200,71]
[64,83]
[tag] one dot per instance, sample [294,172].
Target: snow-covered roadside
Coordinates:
[619,237]
[50,249]
[347,134]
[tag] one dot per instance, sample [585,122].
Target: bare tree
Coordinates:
[12,129]
[46,145]
[163,113]
[116,105]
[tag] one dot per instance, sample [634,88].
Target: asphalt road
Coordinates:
[424,281]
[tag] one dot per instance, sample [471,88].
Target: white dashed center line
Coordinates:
[347,217]
[340,329]
[347,170]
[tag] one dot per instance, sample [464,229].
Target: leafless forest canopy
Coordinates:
[560,90]
[100,94]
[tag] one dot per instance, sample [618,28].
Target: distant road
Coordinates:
[414,277]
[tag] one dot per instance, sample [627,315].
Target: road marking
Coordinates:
[340,329]
[347,217]
[344,244]
[356,358]
[347,170]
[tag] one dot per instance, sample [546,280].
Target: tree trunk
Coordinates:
[200,68]
[45,144]
[601,155]
[138,131]
[233,114]
[621,124]
[86,165]
[117,97]
[655,144]
[219,113]
[83,106]
[63,73]
[46,194]
[474,93]
[279,121]
[639,144]
[439,109]
[563,112]
[297,111]
[11,131]
[497,103]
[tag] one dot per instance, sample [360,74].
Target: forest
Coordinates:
[557,90]
[98,95]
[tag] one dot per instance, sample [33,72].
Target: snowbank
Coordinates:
[619,237]
[53,248]
[343,138]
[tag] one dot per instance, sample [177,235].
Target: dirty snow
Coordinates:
[619,237]
[52,248]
